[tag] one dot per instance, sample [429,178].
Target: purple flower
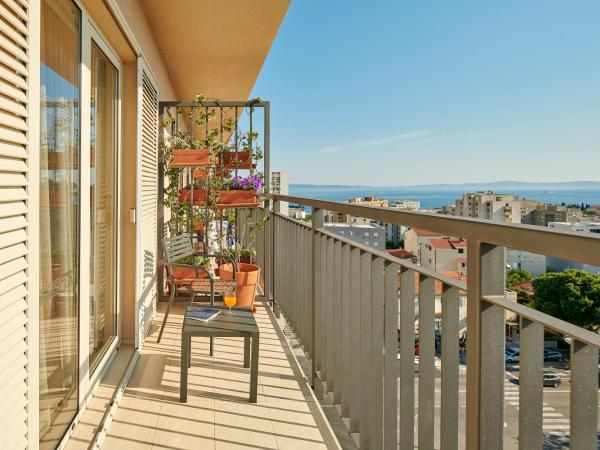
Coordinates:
[252,182]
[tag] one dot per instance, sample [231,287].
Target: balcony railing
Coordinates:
[342,301]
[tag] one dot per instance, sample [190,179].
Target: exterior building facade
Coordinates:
[296,212]
[491,206]
[443,254]
[415,238]
[531,262]
[542,215]
[370,235]
[81,82]
[280,185]
[558,264]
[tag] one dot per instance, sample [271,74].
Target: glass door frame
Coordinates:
[88,380]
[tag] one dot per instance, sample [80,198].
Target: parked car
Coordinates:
[552,355]
[511,355]
[551,379]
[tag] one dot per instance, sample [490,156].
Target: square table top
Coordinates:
[241,321]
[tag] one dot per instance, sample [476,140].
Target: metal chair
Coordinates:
[176,249]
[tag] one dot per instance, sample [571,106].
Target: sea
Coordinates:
[436,197]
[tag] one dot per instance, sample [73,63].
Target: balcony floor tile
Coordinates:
[217,415]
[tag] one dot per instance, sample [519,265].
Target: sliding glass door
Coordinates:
[79,128]
[60,191]
[103,189]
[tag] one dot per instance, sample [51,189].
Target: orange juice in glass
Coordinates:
[229,300]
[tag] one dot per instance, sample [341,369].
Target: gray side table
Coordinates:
[240,323]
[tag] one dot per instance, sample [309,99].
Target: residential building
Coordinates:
[543,214]
[491,206]
[531,262]
[368,234]
[442,254]
[394,231]
[331,217]
[558,264]
[280,185]
[414,238]
[296,212]
[406,204]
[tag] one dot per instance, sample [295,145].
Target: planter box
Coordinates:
[185,195]
[200,157]
[237,198]
[224,198]
[237,160]
[200,174]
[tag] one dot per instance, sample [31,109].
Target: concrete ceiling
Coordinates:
[214,47]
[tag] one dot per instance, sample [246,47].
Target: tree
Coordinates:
[514,276]
[572,295]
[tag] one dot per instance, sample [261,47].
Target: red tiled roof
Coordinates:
[420,232]
[447,243]
[401,253]
[525,286]
[441,244]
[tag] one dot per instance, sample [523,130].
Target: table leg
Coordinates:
[254,370]
[190,352]
[185,355]
[211,345]
[247,351]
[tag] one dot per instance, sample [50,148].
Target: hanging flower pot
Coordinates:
[197,157]
[237,160]
[185,195]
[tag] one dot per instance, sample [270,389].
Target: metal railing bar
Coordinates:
[377,348]
[426,395]
[581,247]
[390,375]
[366,261]
[584,396]
[449,397]
[531,390]
[575,332]
[407,360]
[289,219]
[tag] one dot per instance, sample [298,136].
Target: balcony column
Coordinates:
[317,223]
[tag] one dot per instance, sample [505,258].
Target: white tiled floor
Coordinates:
[217,414]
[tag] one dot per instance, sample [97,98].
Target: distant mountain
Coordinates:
[485,186]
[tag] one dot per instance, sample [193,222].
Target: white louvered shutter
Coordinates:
[14,148]
[147,215]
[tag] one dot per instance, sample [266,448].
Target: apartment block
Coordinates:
[442,254]
[491,206]
[542,215]
[370,235]
[280,185]
[558,264]
[415,238]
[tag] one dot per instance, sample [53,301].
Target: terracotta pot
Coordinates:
[198,157]
[237,197]
[199,196]
[239,160]
[246,278]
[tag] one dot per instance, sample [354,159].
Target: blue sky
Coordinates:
[399,93]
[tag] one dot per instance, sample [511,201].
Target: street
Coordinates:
[555,407]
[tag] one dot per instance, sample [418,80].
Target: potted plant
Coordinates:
[241,191]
